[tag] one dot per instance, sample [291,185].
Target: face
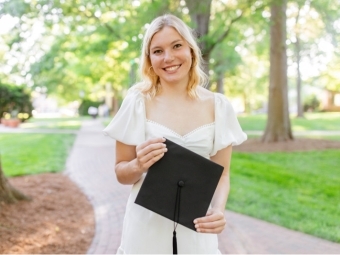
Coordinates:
[170,57]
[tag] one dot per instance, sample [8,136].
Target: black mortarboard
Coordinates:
[180,186]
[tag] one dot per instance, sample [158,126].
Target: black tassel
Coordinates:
[174,243]
[176,215]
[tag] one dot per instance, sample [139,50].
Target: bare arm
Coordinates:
[133,161]
[214,221]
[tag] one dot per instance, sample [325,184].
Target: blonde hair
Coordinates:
[150,81]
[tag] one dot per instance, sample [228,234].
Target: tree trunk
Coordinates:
[246,103]
[298,59]
[278,124]
[220,83]
[9,194]
[298,79]
[200,15]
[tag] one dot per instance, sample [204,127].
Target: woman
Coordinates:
[170,102]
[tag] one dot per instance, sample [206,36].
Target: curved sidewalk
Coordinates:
[91,166]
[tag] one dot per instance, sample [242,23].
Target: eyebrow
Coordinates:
[175,41]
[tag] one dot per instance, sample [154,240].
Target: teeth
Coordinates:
[172,68]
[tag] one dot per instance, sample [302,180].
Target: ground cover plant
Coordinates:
[297,190]
[312,121]
[54,123]
[23,154]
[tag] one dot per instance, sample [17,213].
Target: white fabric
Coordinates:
[128,125]
[147,232]
[227,128]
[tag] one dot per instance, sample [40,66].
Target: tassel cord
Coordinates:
[176,219]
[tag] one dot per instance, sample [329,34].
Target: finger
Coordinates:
[148,149]
[150,141]
[211,231]
[152,156]
[153,160]
[211,225]
[216,226]
[209,218]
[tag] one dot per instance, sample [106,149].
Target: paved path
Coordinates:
[91,165]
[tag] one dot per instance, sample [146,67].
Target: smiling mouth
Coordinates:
[172,68]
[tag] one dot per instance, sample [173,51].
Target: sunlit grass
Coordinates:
[312,121]
[54,123]
[23,154]
[298,190]
[326,137]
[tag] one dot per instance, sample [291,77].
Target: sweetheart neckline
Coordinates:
[187,134]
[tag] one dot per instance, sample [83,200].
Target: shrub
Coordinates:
[311,103]
[85,104]
[16,101]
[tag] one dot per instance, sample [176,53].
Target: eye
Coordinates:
[178,45]
[157,52]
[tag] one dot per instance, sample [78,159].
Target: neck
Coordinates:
[174,90]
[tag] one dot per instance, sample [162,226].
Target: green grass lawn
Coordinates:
[299,190]
[54,123]
[23,154]
[312,121]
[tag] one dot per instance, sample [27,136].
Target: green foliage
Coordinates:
[298,190]
[85,46]
[24,154]
[96,45]
[14,100]
[15,8]
[85,104]
[311,103]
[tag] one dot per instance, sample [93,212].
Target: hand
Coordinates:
[214,222]
[150,152]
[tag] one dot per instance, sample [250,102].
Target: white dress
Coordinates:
[145,232]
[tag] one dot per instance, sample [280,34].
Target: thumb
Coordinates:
[209,212]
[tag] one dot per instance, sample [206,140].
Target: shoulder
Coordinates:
[213,97]
[205,95]
[134,93]
[221,99]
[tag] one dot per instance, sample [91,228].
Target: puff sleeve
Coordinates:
[227,128]
[128,125]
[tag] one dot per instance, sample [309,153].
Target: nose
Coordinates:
[168,56]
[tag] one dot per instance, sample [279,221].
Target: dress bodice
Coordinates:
[130,126]
[199,140]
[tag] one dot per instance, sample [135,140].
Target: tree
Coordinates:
[298,59]
[278,123]
[307,31]
[200,13]
[9,194]
[15,99]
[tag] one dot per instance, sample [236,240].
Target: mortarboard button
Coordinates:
[181,184]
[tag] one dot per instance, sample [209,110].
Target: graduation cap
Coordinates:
[180,186]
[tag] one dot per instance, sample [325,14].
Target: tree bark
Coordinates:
[278,123]
[298,79]
[298,58]
[220,83]
[9,194]
[199,12]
